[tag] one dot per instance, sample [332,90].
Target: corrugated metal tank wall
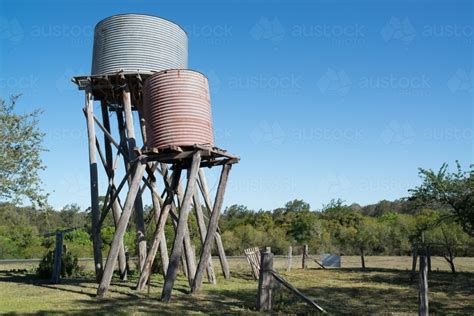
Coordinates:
[177,109]
[138,43]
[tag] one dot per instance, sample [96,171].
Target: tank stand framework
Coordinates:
[191,161]
[141,172]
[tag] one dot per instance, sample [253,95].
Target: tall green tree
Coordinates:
[20,154]
[451,190]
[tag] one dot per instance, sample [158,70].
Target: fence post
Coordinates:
[423,291]
[55,278]
[290,258]
[413,266]
[304,264]
[264,300]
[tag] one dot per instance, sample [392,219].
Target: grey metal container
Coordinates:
[138,43]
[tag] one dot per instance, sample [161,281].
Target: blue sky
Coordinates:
[321,99]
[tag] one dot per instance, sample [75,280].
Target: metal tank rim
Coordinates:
[156,73]
[141,14]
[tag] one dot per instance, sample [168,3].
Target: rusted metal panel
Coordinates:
[177,109]
[138,43]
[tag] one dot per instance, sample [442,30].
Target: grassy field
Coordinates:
[383,288]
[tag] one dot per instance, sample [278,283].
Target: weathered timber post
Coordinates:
[116,210]
[162,244]
[304,263]
[155,197]
[180,229]
[202,233]
[120,230]
[217,236]
[413,265]
[290,258]
[264,299]
[94,183]
[212,229]
[129,126]
[56,276]
[188,259]
[160,228]
[423,290]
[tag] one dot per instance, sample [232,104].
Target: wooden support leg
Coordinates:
[213,222]
[220,246]
[202,232]
[183,218]
[156,200]
[164,254]
[96,238]
[116,210]
[188,258]
[127,108]
[163,247]
[120,230]
[159,232]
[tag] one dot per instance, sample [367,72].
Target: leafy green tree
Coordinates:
[297,206]
[448,239]
[72,217]
[303,227]
[20,154]
[451,190]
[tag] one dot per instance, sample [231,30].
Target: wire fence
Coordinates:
[240,263]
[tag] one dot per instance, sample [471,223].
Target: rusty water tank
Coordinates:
[138,43]
[177,109]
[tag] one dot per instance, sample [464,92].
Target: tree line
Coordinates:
[385,228]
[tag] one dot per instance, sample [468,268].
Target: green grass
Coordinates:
[349,290]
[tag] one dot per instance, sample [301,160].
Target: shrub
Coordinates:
[69,264]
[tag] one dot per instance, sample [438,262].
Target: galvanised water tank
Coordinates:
[177,109]
[138,43]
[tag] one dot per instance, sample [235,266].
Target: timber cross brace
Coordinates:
[142,168]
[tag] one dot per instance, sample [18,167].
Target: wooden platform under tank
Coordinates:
[109,87]
[181,155]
